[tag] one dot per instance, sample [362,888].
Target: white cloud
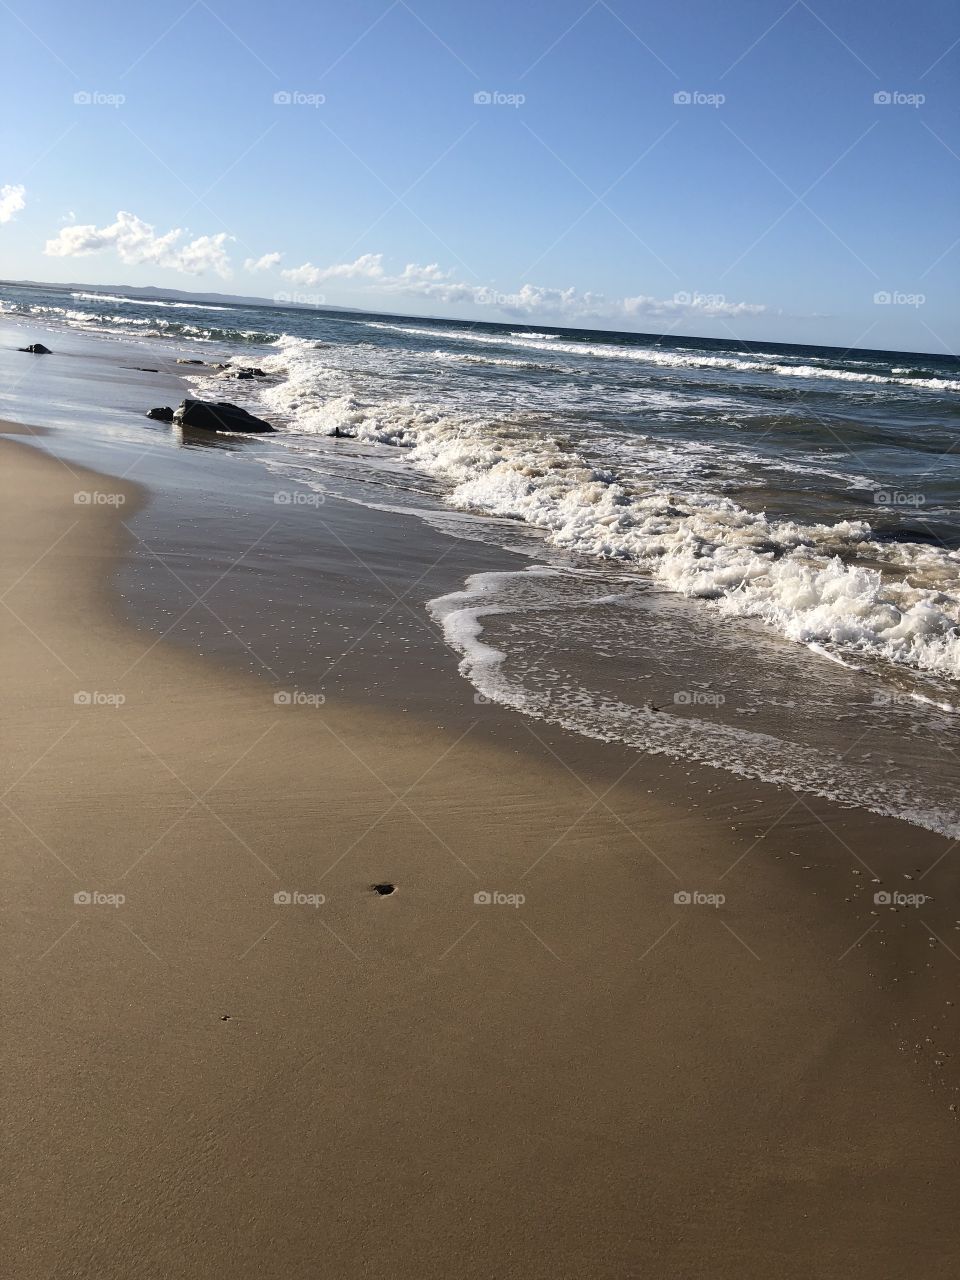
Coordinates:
[567,306]
[690,304]
[12,200]
[136,242]
[206,253]
[369,266]
[266,263]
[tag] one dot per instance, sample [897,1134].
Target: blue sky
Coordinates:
[704,168]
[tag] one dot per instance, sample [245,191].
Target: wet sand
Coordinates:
[599,1081]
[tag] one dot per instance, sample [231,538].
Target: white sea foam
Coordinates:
[813,583]
[821,652]
[146,302]
[463,357]
[137,326]
[669,359]
[800,767]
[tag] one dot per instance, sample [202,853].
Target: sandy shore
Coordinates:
[598,1082]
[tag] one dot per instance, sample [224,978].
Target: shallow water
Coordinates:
[759,541]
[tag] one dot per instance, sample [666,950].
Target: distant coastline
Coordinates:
[154,293]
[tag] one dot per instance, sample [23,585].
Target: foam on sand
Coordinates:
[501,677]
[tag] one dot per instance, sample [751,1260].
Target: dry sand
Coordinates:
[596,1083]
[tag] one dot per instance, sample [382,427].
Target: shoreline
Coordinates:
[737,696]
[617,1050]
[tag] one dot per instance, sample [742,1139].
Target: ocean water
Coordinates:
[740,553]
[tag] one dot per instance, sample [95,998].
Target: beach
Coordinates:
[480,615]
[616,1014]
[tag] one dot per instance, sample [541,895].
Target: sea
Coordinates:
[740,554]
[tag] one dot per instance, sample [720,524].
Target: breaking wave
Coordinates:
[825,583]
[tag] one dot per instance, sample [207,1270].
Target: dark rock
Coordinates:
[180,361]
[247,373]
[218,415]
[165,414]
[36,349]
[140,369]
[337,434]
